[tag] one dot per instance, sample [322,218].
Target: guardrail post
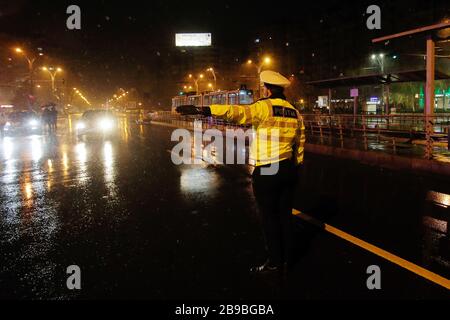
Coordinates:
[331,126]
[430,97]
[366,143]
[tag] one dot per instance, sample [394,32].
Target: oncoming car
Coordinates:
[23,122]
[97,122]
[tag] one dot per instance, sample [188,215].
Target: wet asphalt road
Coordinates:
[140,227]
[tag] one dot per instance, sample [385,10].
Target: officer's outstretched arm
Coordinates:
[244,115]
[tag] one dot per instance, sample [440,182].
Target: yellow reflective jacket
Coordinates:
[279,130]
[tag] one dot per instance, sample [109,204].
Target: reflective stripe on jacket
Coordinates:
[279,129]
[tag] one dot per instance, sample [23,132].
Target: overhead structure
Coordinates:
[432,33]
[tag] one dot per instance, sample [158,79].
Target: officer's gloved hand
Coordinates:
[193,110]
[188,110]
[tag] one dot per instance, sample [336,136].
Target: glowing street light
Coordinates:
[213,72]
[81,96]
[379,59]
[30,61]
[266,61]
[52,72]
[196,81]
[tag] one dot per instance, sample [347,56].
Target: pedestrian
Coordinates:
[54,118]
[3,121]
[274,193]
[46,118]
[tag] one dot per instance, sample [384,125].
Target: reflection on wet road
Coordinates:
[138,226]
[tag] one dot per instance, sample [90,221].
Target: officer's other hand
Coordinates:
[188,110]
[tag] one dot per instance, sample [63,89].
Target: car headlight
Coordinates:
[33,123]
[106,124]
[81,126]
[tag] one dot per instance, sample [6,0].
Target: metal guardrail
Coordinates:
[394,131]
[188,121]
[400,122]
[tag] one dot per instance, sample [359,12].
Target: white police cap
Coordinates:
[274,78]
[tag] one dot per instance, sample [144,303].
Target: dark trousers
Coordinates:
[274,196]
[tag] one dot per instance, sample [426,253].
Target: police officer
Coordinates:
[277,152]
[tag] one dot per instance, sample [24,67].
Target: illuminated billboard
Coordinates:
[193,39]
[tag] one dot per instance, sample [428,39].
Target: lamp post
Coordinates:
[379,59]
[266,61]
[53,73]
[31,61]
[196,81]
[214,76]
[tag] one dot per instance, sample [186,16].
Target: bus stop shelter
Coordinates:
[432,34]
[375,80]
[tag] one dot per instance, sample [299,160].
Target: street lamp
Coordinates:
[30,61]
[214,76]
[266,61]
[52,72]
[81,96]
[379,59]
[196,81]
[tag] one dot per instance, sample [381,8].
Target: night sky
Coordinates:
[123,44]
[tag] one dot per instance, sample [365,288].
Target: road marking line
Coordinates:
[424,273]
